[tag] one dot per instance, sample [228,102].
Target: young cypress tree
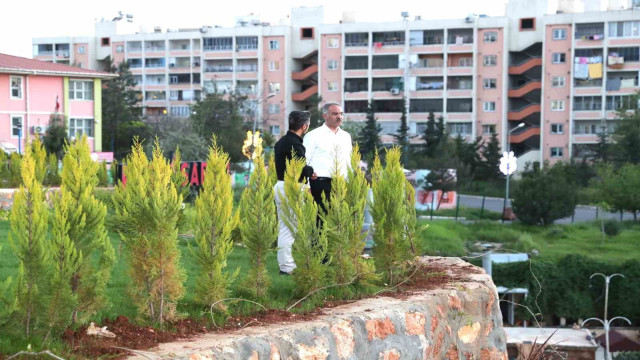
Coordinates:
[214,226]
[53,173]
[179,177]
[310,244]
[271,170]
[103,178]
[369,137]
[5,175]
[40,158]
[258,227]
[27,237]
[147,208]
[15,172]
[86,231]
[392,247]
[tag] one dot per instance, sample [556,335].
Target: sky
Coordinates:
[27,19]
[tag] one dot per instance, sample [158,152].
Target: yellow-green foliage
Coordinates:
[7,301]
[4,169]
[180,181]
[113,173]
[310,244]
[15,165]
[147,208]
[87,232]
[271,170]
[392,246]
[66,263]
[103,177]
[258,227]
[53,174]
[40,158]
[27,237]
[214,224]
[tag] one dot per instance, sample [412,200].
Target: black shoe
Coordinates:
[284,273]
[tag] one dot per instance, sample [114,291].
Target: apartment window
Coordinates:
[465,62]
[356,39]
[557,152]
[274,87]
[79,127]
[274,130]
[559,34]
[80,49]
[490,60]
[16,87]
[557,105]
[332,86]
[356,62]
[180,111]
[16,125]
[527,24]
[173,79]
[332,65]
[557,81]
[630,54]
[488,129]
[624,29]
[489,83]
[274,45]
[274,108]
[332,43]
[105,41]
[557,129]
[119,48]
[274,65]
[81,90]
[587,103]
[459,129]
[490,36]
[355,106]
[306,33]
[559,58]
[489,106]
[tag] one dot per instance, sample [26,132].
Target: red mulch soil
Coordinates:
[136,337]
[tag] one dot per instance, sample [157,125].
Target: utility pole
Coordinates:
[606,323]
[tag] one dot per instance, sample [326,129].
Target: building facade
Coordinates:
[32,91]
[562,68]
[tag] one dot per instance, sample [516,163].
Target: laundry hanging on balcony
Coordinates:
[595,71]
[581,71]
[588,67]
[615,61]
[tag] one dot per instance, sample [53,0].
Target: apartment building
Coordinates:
[32,91]
[560,67]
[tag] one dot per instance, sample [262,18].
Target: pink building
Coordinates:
[31,91]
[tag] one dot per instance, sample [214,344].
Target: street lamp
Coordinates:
[506,198]
[605,323]
[255,111]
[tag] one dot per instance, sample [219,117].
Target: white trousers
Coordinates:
[285,237]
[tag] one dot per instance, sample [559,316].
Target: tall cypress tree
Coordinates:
[369,138]
[402,135]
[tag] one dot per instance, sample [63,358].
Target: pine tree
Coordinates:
[402,135]
[259,227]
[489,165]
[392,248]
[369,138]
[103,177]
[310,244]
[602,150]
[147,207]
[27,237]
[40,158]
[214,226]
[87,230]
[55,138]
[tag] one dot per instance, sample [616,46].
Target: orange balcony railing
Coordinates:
[525,89]
[525,66]
[524,135]
[302,96]
[306,73]
[524,112]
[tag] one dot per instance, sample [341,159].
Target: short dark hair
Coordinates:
[297,119]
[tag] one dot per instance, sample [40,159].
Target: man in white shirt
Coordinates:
[325,146]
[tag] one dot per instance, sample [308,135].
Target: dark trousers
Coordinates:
[318,187]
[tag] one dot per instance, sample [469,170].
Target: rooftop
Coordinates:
[19,65]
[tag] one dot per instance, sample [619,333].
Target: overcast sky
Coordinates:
[26,19]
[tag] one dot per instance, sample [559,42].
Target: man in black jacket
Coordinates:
[288,146]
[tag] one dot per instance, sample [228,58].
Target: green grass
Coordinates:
[464,212]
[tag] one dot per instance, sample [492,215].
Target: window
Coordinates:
[332,86]
[105,41]
[459,129]
[488,129]
[559,58]
[274,45]
[557,129]
[624,29]
[16,87]
[489,83]
[490,60]
[274,108]
[356,39]
[80,90]
[557,152]
[180,111]
[306,33]
[79,127]
[16,125]
[173,79]
[274,87]
[332,43]
[332,65]
[274,130]
[489,106]
[119,48]
[356,62]
[557,81]
[465,62]
[587,103]
[559,34]
[274,65]
[557,105]
[490,36]
[80,49]
[527,24]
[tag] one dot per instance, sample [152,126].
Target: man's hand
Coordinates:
[314,176]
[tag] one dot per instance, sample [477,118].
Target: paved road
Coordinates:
[582,213]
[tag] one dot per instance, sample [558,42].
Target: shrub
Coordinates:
[611,227]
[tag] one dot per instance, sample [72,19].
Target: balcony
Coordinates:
[524,134]
[523,112]
[306,94]
[306,73]
[218,68]
[525,66]
[525,89]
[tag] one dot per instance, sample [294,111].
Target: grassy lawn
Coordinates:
[463,212]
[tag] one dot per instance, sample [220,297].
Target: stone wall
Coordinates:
[461,320]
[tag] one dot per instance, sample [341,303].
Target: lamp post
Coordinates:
[606,323]
[506,198]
